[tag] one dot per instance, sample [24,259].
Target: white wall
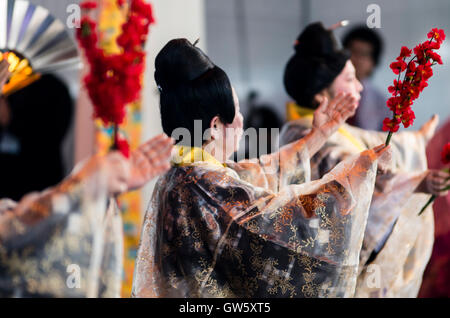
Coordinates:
[256,60]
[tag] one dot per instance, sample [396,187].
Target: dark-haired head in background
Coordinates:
[314,66]
[261,116]
[366,46]
[318,69]
[30,142]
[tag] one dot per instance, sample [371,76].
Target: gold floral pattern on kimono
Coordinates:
[63,242]
[398,267]
[241,231]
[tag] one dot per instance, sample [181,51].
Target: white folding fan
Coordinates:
[34,42]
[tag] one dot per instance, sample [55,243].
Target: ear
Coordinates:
[318,98]
[214,127]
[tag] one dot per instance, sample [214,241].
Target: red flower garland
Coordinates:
[115,80]
[88,5]
[417,72]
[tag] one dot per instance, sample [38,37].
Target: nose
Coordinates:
[359,86]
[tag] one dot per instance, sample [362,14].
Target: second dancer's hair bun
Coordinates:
[317,61]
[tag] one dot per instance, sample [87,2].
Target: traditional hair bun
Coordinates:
[192,88]
[179,62]
[314,66]
[316,41]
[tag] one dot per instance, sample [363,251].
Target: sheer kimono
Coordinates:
[239,230]
[397,242]
[63,242]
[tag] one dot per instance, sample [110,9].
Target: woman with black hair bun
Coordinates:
[396,240]
[217,228]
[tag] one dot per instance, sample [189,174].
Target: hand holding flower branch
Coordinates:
[442,178]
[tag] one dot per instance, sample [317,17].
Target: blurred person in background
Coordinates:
[66,241]
[263,119]
[365,46]
[33,124]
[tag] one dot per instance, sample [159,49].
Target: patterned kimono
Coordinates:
[239,230]
[397,242]
[64,242]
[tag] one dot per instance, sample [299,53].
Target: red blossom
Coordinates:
[398,66]
[391,124]
[123,146]
[435,57]
[404,52]
[410,90]
[435,45]
[424,72]
[437,34]
[411,69]
[395,88]
[397,105]
[445,155]
[88,5]
[408,117]
[421,50]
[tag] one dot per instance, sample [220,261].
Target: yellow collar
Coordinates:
[185,155]
[295,112]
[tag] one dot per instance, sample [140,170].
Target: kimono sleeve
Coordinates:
[274,171]
[49,241]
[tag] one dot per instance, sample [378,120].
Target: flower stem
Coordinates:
[115,137]
[433,197]
[388,139]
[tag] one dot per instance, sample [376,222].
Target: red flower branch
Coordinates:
[416,74]
[115,80]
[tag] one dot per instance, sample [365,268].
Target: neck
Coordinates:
[215,150]
[186,155]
